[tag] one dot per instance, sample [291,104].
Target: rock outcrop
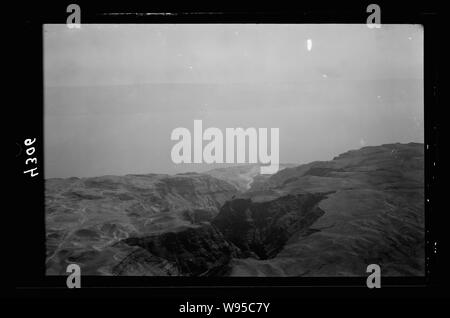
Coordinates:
[194,251]
[263,228]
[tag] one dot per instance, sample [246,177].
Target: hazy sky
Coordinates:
[114,93]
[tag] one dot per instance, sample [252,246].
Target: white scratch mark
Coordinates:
[309,44]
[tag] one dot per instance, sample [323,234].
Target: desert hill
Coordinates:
[328,218]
